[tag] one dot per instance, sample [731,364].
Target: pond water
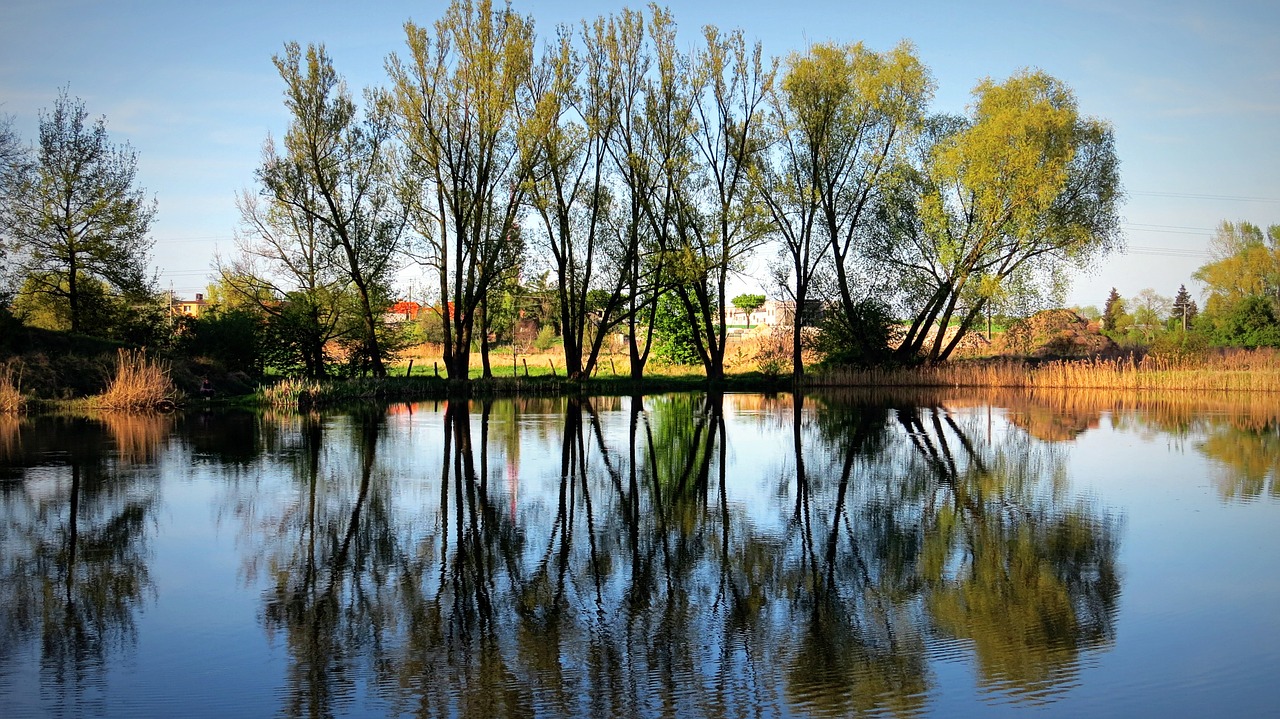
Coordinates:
[684,555]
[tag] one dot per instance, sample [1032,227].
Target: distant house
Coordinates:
[774,313]
[403,311]
[190,308]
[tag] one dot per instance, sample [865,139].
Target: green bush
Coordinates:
[858,341]
[546,338]
[673,333]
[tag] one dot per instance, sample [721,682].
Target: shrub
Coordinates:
[858,341]
[140,383]
[673,333]
[773,357]
[546,338]
[11,399]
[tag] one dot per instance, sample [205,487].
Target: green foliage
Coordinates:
[860,341]
[1111,311]
[234,338]
[137,319]
[1246,263]
[546,338]
[1243,284]
[1089,312]
[673,333]
[1041,190]
[1180,346]
[1250,323]
[749,303]
[75,214]
[335,173]
[1183,312]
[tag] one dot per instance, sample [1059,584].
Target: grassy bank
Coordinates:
[314,393]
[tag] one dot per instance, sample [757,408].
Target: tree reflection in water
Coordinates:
[74,545]
[634,582]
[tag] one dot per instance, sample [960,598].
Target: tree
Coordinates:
[673,335]
[574,119]
[1149,311]
[75,215]
[335,172]
[1250,323]
[1244,262]
[284,269]
[1112,310]
[461,98]
[749,303]
[852,111]
[654,115]
[14,160]
[713,221]
[1019,192]
[1184,309]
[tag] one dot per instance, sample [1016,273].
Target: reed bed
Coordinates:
[1257,371]
[11,399]
[296,392]
[141,383]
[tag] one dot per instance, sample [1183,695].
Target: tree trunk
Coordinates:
[487,371]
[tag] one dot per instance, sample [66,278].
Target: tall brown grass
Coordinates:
[1256,371]
[140,383]
[11,399]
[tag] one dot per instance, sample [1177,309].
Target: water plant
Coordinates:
[140,383]
[11,399]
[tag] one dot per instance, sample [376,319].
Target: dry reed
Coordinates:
[1257,371]
[11,399]
[140,383]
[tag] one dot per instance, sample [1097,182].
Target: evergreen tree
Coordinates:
[1184,308]
[1112,310]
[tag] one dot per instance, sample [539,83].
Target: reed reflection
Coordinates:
[75,548]
[637,575]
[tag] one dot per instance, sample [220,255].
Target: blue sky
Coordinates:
[1192,89]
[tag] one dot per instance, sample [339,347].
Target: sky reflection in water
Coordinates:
[680,555]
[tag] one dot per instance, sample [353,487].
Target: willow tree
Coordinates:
[75,218]
[651,156]
[335,171]
[574,118]
[461,97]
[283,269]
[1244,262]
[714,221]
[1010,198]
[839,116]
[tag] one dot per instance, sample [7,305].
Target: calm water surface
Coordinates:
[679,556]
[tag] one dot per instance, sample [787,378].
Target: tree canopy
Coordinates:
[75,214]
[1009,197]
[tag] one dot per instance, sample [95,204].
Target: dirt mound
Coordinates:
[1053,333]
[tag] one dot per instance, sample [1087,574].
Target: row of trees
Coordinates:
[629,169]
[632,170]
[1241,291]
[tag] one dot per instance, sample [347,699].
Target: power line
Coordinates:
[1167,251]
[1149,227]
[1201,196]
